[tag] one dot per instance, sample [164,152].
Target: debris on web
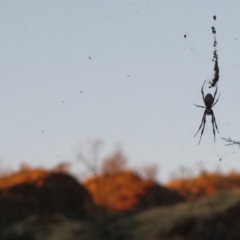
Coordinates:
[215,58]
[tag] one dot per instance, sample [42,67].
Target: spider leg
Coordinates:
[214,119]
[216,101]
[204,122]
[199,128]
[215,93]
[199,106]
[213,125]
[203,119]
[202,90]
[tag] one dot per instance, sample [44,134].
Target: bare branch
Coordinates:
[231,142]
[90,157]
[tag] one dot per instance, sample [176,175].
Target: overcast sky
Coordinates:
[122,72]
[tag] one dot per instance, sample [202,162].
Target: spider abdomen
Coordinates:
[208,100]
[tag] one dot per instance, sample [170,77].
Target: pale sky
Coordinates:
[120,71]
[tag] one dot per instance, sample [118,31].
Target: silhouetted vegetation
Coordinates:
[117,203]
[13,235]
[205,184]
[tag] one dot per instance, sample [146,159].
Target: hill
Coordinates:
[38,204]
[40,193]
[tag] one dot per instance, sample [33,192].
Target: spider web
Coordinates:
[216,152]
[148,102]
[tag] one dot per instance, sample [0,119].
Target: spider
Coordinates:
[209,104]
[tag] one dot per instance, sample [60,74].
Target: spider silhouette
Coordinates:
[209,104]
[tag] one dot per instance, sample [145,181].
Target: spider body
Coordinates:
[209,104]
[208,100]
